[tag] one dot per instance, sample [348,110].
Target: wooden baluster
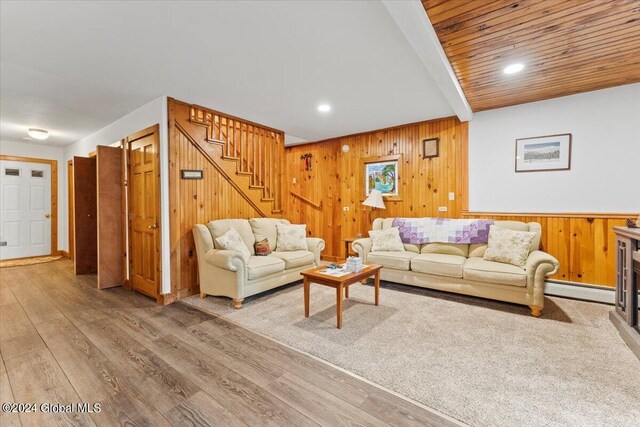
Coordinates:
[243,151]
[250,150]
[261,157]
[271,189]
[226,137]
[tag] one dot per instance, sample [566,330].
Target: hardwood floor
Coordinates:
[63,341]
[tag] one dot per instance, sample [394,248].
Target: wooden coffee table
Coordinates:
[339,283]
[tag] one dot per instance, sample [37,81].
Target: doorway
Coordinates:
[28,207]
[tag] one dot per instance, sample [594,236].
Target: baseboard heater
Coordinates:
[594,293]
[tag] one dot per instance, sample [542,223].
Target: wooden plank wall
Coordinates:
[584,244]
[336,179]
[195,201]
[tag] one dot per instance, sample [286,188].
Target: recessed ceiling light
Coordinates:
[513,68]
[323,108]
[38,133]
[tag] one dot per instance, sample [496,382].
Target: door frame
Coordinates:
[54,196]
[151,130]
[70,215]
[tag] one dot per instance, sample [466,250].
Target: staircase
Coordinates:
[250,155]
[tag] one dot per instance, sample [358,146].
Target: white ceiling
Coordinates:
[74,67]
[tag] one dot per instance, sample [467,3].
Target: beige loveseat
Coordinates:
[225,273]
[460,268]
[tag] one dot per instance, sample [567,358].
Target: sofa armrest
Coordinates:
[229,260]
[538,266]
[315,245]
[541,260]
[362,247]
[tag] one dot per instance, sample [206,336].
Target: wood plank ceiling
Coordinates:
[567,46]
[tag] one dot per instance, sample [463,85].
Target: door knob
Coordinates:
[47,215]
[154,226]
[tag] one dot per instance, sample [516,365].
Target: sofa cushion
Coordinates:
[292,237]
[220,226]
[508,246]
[398,260]
[439,264]
[410,247]
[459,249]
[262,247]
[265,228]
[480,270]
[533,227]
[232,241]
[295,259]
[262,266]
[477,249]
[386,240]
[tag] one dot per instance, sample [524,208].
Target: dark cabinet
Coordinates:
[626,315]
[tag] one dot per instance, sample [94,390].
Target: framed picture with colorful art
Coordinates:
[543,153]
[382,173]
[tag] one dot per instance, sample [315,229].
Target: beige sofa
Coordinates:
[225,273]
[460,268]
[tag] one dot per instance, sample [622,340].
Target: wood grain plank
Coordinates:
[318,404]
[202,410]
[163,386]
[7,419]
[17,334]
[36,377]
[568,47]
[244,398]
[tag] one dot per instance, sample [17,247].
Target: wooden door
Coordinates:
[85,215]
[109,179]
[144,212]
[25,209]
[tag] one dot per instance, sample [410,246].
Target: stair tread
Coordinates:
[215,141]
[231,158]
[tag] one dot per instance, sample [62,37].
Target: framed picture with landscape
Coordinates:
[382,173]
[543,153]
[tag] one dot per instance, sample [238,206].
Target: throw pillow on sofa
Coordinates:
[232,241]
[508,246]
[386,240]
[291,238]
[262,247]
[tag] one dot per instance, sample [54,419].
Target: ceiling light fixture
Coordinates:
[324,108]
[40,134]
[513,68]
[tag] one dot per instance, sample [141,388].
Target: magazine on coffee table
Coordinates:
[337,272]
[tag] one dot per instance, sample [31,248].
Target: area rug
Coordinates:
[28,261]
[482,362]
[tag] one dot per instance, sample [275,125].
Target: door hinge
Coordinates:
[126,182]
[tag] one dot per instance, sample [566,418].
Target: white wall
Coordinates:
[154,112]
[605,157]
[43,151]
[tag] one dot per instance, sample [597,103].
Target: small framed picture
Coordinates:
[430,148]
[543,153]
[191,173]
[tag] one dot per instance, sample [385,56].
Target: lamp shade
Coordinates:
[374,199]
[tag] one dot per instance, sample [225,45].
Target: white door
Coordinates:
[25,209]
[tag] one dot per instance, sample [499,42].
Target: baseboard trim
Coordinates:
[580,291]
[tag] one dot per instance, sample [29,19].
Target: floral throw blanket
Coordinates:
[441,230]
